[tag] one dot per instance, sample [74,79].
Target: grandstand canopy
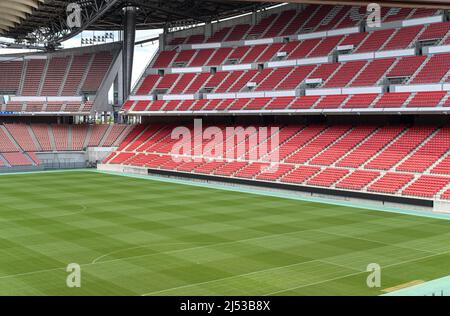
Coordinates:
[46,21]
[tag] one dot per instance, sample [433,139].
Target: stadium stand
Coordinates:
[20,142]
[341,156]
[311,74]
[54,82]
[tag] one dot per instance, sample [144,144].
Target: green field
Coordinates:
[137,236]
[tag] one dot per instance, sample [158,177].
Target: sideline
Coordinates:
[284,195]
[438,287]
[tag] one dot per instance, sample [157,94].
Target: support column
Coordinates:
[129,38]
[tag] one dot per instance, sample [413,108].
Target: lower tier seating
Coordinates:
[377,159]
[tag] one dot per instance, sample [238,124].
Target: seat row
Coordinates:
[361,73]
[50,75]
[397,159]
[312,18]
[347,102]
[374,41]
[51,107]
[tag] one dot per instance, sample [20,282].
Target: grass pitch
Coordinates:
[134,237]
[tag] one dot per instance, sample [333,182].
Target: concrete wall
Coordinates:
[370,200]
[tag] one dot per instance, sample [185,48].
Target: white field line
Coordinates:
[283,267]
[228,278]
[215,244]
[96,260]
[353,274]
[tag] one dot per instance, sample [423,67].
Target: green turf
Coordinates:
[136,236]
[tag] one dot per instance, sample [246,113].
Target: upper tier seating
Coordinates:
[54,75]
[11,82]
[19,143]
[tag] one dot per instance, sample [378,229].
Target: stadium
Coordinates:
[224,148]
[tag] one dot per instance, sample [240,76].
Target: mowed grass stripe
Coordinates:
[135,236]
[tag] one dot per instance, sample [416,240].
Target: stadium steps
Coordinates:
[3,162]
[188,62]
[33,162]
[175,83]
[382,173]
[345,101]
[123,135]
[414,179]
[416,39]
[447,77]
[144,144]
[331,15]
[446,38]
[305,144]
[375,101]
[306,22]
[368,139]
[415,149]
[444,190]
[10,137]
[363,69]
[270,137]
[86,73]
[334,164]
[324,84]
[269,26]
[105,136]
[43,76]
[238,144]
[389,39]
[445,100]
[344,16]
[285,141]
[385,147]
[408,100]
[333,186]
[66,75]
[356,48]
[22,77]
[52,137]
[88,136]
[437,162]
[285,23]
[329,145]
[383,77]
[69,138]
[418,71]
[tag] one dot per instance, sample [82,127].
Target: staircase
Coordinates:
[419,69]
[66,75]
[43,77]
[22,80]
[86,72]
[51,137]
[415,150]
[70,138]
[10,137]
[88,136]
[33,137]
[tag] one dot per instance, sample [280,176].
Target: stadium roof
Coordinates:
[45,21]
